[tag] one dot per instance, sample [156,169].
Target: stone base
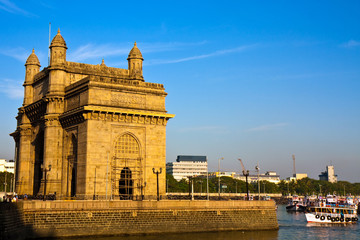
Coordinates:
[85,218]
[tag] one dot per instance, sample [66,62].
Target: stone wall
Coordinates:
[83,218]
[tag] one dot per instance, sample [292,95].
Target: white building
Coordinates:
[7,166]
[269,176]
[328,175]
[187,166]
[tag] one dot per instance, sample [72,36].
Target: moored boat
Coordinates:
[296,204]
[330,211]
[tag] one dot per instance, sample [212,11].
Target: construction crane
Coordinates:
[246,174]
[294,170]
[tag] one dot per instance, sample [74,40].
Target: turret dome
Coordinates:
[135,53]
[32,59]
[58,41]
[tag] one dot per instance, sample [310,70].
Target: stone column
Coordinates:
[53,149]
[24,179]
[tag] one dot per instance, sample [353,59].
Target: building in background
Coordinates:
[269,176]
[328,175]
[7,166]
[187,166]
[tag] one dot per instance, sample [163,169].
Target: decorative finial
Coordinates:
[102,63]
[135,43]
[33,51]
[58,30]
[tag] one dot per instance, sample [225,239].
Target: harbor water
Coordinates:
[291,226]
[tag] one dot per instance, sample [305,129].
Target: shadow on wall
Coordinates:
[12,226]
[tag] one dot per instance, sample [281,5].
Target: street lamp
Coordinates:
[258,170]
[157,181]
[320,188]
[219,175]
[45,170]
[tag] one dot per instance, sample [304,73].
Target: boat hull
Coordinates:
[331,219]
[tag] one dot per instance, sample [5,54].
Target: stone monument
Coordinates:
[90,131]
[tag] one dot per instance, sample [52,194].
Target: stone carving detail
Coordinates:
[124,100]
[52,121]
[126,118]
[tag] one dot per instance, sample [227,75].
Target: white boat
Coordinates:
[330,211]
[296,204]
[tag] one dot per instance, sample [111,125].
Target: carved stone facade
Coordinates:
[95,131]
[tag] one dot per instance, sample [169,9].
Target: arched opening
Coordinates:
[126,169]
[125,184]
[39,159]
[72,167]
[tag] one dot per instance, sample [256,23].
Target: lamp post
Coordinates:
[200,181]
[45,170]
[258,170]
[94,196]
[157,181]
[320,188]
[5,183]
[207,181]
[219,175]
[246,174]
[264,186]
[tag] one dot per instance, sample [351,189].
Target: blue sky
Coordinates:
[259,80]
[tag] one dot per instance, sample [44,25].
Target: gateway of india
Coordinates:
[90,131]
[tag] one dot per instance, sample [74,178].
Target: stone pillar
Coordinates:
[53,149]
[24,179]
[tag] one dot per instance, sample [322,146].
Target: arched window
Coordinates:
[126,167]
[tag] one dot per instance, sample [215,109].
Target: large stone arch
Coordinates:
[71,165]
[126,167]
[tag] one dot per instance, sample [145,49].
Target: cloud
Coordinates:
[351,43]
[10,7]
[213,54]
[94,51]
[12,88]
[18,53]
[267,127]
[91,51]
[21,54]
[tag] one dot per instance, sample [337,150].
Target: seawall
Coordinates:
[34,219]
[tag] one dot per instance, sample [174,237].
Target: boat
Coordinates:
[330,210]
[296,204]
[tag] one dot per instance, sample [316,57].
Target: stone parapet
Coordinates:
[96,218]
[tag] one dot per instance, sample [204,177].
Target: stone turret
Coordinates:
[32,67]
[135,60]
[58,50]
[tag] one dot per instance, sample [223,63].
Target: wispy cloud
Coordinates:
[351,43]
[217,129]
[12,88]
[202,56]
[267,127]
[94,51]
[10,7]
[21,54]
[18,53]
